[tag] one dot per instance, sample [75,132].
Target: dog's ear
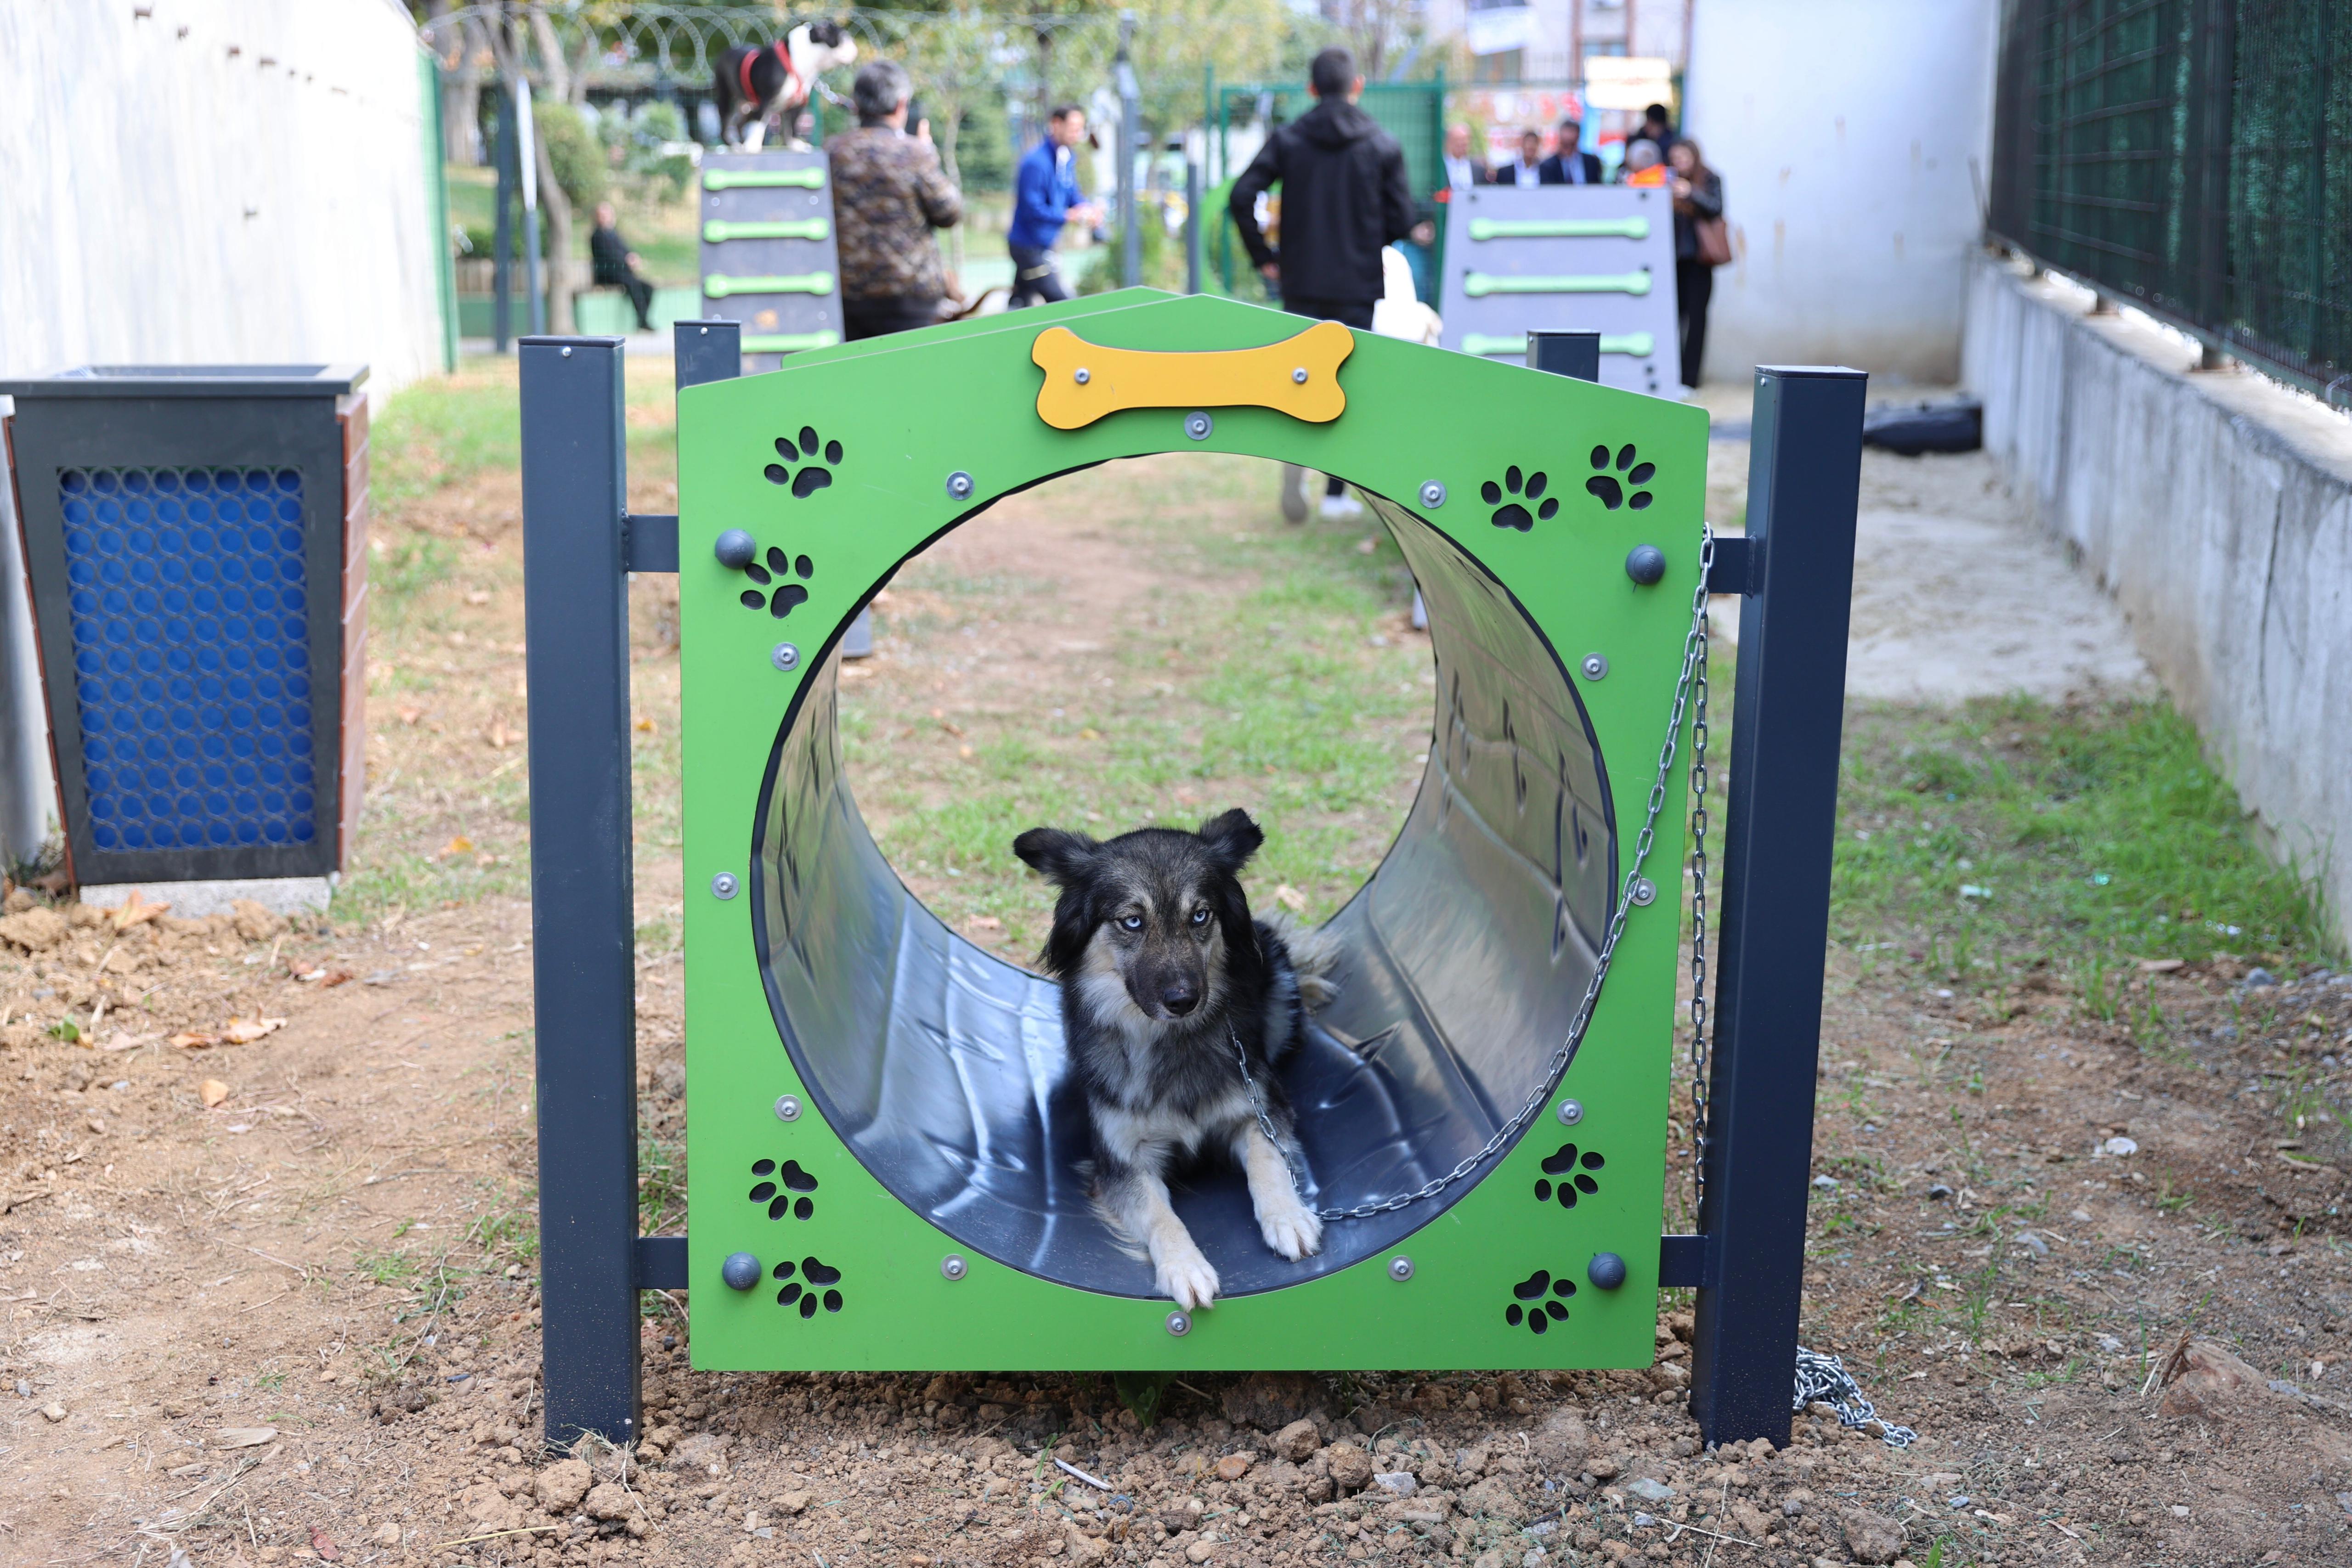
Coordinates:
[1063,856]
[1231,839]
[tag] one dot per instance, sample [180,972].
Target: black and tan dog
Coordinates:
[1168,984]
[751,84]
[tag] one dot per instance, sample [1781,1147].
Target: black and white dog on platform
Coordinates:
[751,84]
[1178,1006]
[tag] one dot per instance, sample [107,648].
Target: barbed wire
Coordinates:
[652,44]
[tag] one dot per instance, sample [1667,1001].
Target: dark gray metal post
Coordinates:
[1565,353]
[583,946]
[1803,482]
[502,267]
[526,171]
[1130,138]
[1192,226]
[706,351]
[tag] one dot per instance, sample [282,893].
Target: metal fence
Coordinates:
[2193,157]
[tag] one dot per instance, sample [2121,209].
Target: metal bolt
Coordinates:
[952,1266]
[724,886]
[1083,375]
[1198,424]
[1607,1270]
[1645,564]
[735,550]
[741,1271]
[1400,1268]
[788,1108]
[1432,494]
[1179,1325]
[1595,667]
[1571,1113]
[702,332]
[959,484]
[567,353]
[1299,376]
[784,657]
[1643,893]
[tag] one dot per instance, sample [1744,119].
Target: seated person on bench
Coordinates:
[610,261]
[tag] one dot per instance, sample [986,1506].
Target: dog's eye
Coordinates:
[1201,917]
[1130,921]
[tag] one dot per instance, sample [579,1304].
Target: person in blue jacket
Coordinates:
[1045,195]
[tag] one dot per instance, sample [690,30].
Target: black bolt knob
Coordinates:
[1646,565]
[1606,1271]
[735,550]
[741,1271]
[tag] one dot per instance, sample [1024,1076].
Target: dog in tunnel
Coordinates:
[1168,987]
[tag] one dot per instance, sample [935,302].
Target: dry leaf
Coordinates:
[192,1039]
[244,1436]
[136,911]
[1290,898]
[460,845]
[477,597]
[244,1031]
[645,726]
[212,1091]
[986,922]
[2159,966]
[408,716]
[119,1040]
[500,737]
[327,1549]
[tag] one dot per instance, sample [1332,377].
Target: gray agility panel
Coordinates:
[1577,258]
[769,256]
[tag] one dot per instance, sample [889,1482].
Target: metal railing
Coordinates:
[2194,158]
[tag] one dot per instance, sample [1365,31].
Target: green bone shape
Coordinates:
[1559,228]
[1637,344]
[719,286]
[1477,284]
[718,230]
[809,179]
[787,343]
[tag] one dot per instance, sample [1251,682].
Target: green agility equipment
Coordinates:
[719,286]
[1479,284]
[1559,228]
[1637,344]
[887,1168]
[808,179]
[718,231]
[787,343]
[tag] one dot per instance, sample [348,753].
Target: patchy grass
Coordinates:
[2010,833]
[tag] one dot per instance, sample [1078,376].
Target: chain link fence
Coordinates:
[2193,157]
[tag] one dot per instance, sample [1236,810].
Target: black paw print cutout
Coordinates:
[1538,1303]
[813,476]
[791,1179]
[1513,514]
[778,594]
[1604,484]
[812,1290]
[1562,1164]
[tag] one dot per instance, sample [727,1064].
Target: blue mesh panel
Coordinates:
[192,661]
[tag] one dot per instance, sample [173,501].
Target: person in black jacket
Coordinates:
[613,263]
[1344,198]
[1569,165]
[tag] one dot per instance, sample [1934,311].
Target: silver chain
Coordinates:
[1698,824]
[1825,1379]
[1693,677]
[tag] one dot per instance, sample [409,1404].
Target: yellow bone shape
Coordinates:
[1299,376]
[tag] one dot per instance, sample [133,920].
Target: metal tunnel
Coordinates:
[1465,956]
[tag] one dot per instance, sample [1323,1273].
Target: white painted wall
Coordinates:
[1846,132]
[219,180]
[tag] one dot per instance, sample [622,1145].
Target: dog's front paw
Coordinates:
[1185,1275]
[1291,1228]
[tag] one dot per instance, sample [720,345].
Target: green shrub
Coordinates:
[578,161]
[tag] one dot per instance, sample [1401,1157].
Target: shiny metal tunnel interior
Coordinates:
[1463,960]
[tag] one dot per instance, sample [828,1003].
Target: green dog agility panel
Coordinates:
[886,1158]
[924,1069]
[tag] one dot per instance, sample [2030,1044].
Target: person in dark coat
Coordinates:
[1570,165]
[1698,194]
[613,263]
[1345,198]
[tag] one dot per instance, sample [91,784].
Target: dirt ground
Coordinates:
[273,1299]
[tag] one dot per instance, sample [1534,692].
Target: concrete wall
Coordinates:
[1851,135]
[2217,508]
[209,182]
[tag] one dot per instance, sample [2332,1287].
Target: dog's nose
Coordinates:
[1179,998]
